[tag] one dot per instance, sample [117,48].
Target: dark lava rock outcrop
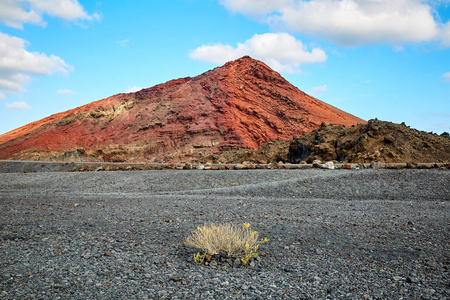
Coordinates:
[376,141]
[242,104]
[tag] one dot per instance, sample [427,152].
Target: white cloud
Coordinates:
[14,58]
[446,77]
[16,63]
[18,105]
[11,83]
[65,92]
[69,10]
[281,51]
[133,89]
[15,13]
[445,35]
[351,22]
[318,90]
[254,7]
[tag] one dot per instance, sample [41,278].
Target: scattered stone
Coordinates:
[213,263]
[411,165]
[317,280]
[317,164]
[349,166]
[426,166]
[412,279]
[176,279]
[328,165]
[272,166]
[375,165]
[237,262]
[398,278]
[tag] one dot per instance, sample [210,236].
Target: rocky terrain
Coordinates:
[333,234]
[376,141]
[242,104]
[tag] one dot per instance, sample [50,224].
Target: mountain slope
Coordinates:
[242,104]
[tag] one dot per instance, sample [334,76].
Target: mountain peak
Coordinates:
[242,60]
[250,65]
[242,104]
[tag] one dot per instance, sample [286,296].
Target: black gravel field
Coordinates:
[333,234]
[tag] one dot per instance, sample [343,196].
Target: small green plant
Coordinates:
[235,241]
[198,258]
[250,254]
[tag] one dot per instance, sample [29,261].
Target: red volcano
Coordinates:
[242,104]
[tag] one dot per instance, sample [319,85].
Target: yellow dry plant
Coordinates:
[235,241]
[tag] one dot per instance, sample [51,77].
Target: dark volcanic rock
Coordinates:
[375,141]
[242,104]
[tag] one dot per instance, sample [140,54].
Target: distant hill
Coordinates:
[242,104]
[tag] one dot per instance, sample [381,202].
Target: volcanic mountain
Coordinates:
[242,104]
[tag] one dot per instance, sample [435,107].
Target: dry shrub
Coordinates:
[234,241]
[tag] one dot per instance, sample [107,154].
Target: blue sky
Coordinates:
[373,58]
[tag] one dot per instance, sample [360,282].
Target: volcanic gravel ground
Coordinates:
[342,234]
